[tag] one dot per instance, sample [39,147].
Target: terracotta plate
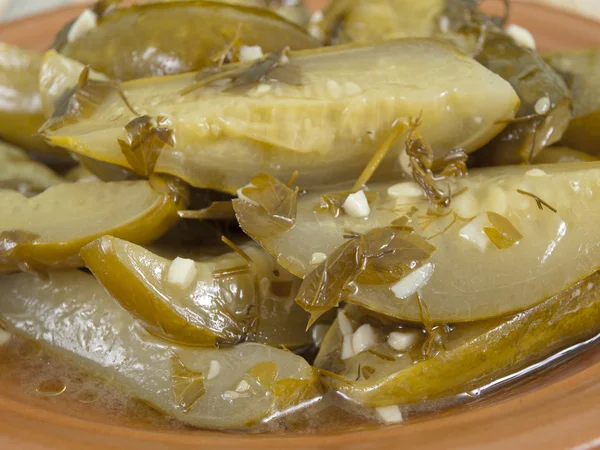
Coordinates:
[558,410]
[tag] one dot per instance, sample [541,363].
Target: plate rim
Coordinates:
[346,439]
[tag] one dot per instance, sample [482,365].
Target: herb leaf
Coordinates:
[421,161]
[367,372]
[502,233]
[289,391]
[258,71]
[391,254]
[216,211]
[82,100]
[264,373]
[292,392]
[333,201]
[540,203]
[436,334]
[188,386]
[272,67]
[266,207]
[324,287]
[379,257]
[436,341]
[146,138]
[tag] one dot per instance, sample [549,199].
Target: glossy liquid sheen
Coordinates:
[54,384]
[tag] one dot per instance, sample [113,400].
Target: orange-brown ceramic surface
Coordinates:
[560,410]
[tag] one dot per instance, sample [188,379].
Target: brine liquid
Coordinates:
[52,383]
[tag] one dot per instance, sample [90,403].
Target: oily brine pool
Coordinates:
[46,380]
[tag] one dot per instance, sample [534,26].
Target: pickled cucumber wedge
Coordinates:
[477,34]
[58,74]
[72,315]
[561,155]
[294,11]
[226,300]
[327,127]
[512,237]
[544,112]
[354,20]
[157,39]
[475,355]
[20,109]
[21,173]
[580,69]
[48,230]
[80,174]
[545,109]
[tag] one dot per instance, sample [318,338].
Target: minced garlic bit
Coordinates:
[232,395]
[473,232]
[414,281]
[314,28]
[347,350]
[243,386]
[536,173]
[263,88]
[351,88]
[5,336]
[250,52]
[404,339]
[522,36]
[389,414]
[496,200]
[344,323]
[363,338]
[86,22]
[334,90]
[182,272]
[357,205]
[405,164]
[317,258]
[444,24]
[406,189]
[316,17]
[542,106]
[465,205]
[213,370]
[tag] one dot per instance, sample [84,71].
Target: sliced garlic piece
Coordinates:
[214,369]
[344,323]
[410,284]
[363,338]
